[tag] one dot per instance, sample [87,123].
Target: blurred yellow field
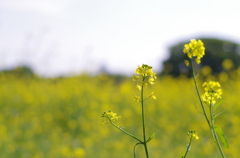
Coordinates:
[61,118]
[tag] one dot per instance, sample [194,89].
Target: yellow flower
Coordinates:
[153,96]
[136,99]
[144,84]
[198,61]
[193,134]
[212,92]
[151,80]
[139,87]
[145,75]
[135,78]
[194,49]
[110,116]
[145,70]
[186,62]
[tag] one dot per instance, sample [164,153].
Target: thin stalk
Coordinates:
[143,121]
[214,132]
[188,147]
[125,132]
[199,96]
[212,120]
[210,123]
[218,143]
[134,151]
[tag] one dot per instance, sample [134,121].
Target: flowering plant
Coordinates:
[212,92]
[144,76]
[211,98]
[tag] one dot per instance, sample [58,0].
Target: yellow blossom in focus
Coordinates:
[145,70]
[194,49]
[212,92]
[111,116]
[145,75]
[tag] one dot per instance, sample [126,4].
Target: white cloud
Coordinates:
[44,7]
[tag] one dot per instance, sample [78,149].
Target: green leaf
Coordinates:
[222,136]
[182,155]
[151,137]
[218,114]
[218,103]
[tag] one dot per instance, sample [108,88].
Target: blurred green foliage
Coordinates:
[61,117]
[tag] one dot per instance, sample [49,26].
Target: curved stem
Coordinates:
[134,148]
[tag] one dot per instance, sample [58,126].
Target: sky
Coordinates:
[68,37]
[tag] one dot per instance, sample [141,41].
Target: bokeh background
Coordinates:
[63,63]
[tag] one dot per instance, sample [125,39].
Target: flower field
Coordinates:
[61,118]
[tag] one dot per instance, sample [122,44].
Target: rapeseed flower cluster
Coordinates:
[193,134]
[194,49]
[212,92]
[110,116]
[145,76]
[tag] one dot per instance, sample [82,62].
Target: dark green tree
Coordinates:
[217,50]
[21,72]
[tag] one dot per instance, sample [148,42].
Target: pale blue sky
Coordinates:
[70,36]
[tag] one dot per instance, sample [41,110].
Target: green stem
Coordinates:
[218,143]
[125,131]
[188,147]
[143,121]
[214,132]
[212,120]
[199,96]
[210,123]
[134,151]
